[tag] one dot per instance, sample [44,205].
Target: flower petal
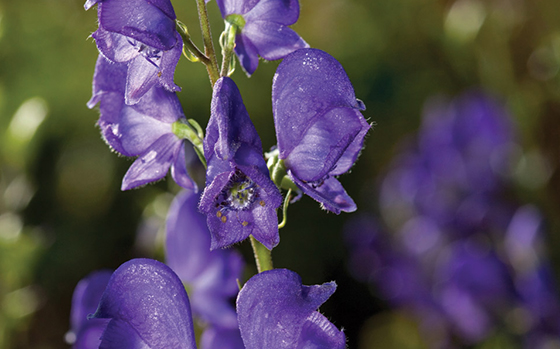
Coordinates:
[115,47]
[148,308]
[108,77]
[281,12]
[139,20]
[273,308]
[179,170]
[272,40]
[154,164]
[141,77]
[329,193]
[319,332]
[221,338]
[247,54]
[169,60]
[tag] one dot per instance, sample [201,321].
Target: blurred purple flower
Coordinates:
[144,129]
[142,35]
[319,127]
[210,275]
[240,199]
[263,29]
[84,333]
[147,306]
[276,311]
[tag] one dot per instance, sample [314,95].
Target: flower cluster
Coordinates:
[320,131]
[459,254]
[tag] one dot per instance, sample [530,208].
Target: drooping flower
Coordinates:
[275,310]
[145,129]
[263,29]
[141,34]
[84,333]
[240,199]
[210,275]
[148,307]
[319,127]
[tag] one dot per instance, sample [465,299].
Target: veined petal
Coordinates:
[273,308]
[169,60]
[179,170]
[328,192]
[114,46]
[247,54]
[108,77]
[323,143]
[319,332]
[272,40]
[165,6]
[141,77]
[240,7]
[154,164]
[148,308]
[139,20]
[284,12]
[307,83]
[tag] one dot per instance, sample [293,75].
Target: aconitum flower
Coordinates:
[210,275]
[145,129]
[319,127]
[275,310]
[84,333]
[148,307]
[240,199]
[141,34]
[263,29]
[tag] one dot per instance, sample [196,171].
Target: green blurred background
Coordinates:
[62,214]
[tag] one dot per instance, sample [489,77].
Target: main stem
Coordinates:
[263,257]
[212,67]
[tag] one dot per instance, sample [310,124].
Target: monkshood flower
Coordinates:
[275,310]
[84,333]
[141,34]
[240,199]
[319,127]
[262,29]
[148,307]
[211,276]
[146,129]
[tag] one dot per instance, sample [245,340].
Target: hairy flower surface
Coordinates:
[210,275]
[84,333]
[144,129]
[319,127]
[263,29]
[147,306]
[240,199]
[275,310]
[142,34]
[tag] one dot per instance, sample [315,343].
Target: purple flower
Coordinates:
[319,127]
[147,306]
[84,333]
[210,275]
[240,199]
[262,29]
[275,310]
[145,129]
[141,34]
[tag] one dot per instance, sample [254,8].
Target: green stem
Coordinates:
[189,45]
[285,209]
[263,256]
[212,66]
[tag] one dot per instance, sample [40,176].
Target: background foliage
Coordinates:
[62,214]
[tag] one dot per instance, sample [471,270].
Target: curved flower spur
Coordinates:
[319,127]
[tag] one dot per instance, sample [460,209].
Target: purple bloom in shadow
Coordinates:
[144,129]
[275,310]
[147,306]
[240,199]
[319,127]
[142,35]
[210,275]
[264,29]
[84,333]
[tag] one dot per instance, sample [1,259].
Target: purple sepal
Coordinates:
[211,275]
[148,307]
[86,334]
[221,338]
[275,310]
[265,32]
[319,127]
[240,199]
